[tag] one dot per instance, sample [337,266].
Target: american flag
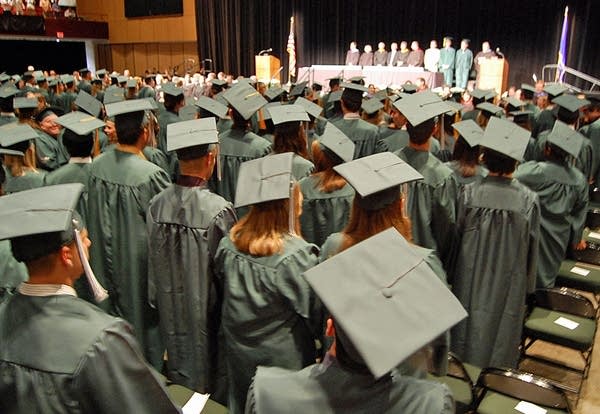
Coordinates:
[291,49]
[562,51]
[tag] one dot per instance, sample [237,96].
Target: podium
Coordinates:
[267,68]
[493,74]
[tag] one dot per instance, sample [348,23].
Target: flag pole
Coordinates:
[291,49]
[562,50]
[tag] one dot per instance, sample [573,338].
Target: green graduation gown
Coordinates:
[157,157]
[583,162]
[364,135]
[12,273]
[235,147]
[495,267]
[301,167]
[165,118]
[120,189]
[60,354]
[396,139]
[147,92]
[592,131]
[50,151]
[27,181]
[563,193]
[73,172]
[431,202]
[464,61]
[323,213]
[329,388]
[185,226]
[270,314]
[480,172]
[447,57]
[66,100]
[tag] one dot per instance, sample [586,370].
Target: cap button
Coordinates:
[387,292]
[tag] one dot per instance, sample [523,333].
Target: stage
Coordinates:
[380,76]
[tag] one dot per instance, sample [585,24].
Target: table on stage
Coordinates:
[380,76]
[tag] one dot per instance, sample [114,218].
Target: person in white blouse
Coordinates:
[432,57]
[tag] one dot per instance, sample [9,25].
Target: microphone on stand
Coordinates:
[262,52]
[499,53]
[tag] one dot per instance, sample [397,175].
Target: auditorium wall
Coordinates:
[146,42]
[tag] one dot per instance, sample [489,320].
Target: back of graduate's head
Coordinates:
[130,126]
[290,137]
[196,152]
[566,116]
[351,100]
[421,133]
[498,163]
[325,160]
[78,145]
[556,154]
[239,121]
[172,102]
[6,104]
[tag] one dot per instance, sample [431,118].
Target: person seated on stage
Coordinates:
[403,54]
[381,55]
[352,55]
[431,203]
[431,58]
[393,55]
[364,135]
[327,197]
[61,351]
[366,58]
[373,305]
[416,56]
[563,192]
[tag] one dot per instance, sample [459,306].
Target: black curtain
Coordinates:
[63,57]
[232,32]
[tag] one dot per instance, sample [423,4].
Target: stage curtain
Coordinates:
[231,32]
[10,24]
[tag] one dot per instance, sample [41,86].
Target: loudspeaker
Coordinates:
[145,8]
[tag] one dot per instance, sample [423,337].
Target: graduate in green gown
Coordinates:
[49,149]
[465,157]
[495,263]
[19,158]
[239,144]
[447,61]
[78,139]
[463,63]
[568,111]
[364,135]
[209,107]
[12,273]
[290,136]
[7,110]
[66,99]
[563,193]
[374,303]
[431,203]
[62,354]
[592,131]
[327,197]
[270,316]
[174,101]
[148,91]
[121,185]
[185,223]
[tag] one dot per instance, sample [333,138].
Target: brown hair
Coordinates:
[366,223]
[18,165]
[328,180]
[290,137]
[261,232]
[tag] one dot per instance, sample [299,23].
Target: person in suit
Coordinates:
[393,55]
[352,55]
[366,59]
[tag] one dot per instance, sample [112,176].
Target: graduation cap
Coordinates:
[298,89]
[375,301]
[113,94]
[337,142]
[273,92]
[41,78]
[4,77]
[335,96]
[312,108]
[219,98]
[152,103]
[528,90]
[506,138]
[8,91]
[131,83]
[40,221]
[15,133]
[122,79]
[521,116]
[171,89]
[264,179]
[371,106]
[212,105]
[267,107]
[288,113]
[150,76]
[187,134]
[96,81]
[470,131]
[480,93]
[27,75]
[83,71]
[188,112]
[555,89]
[125,107]
[101,73]
[16,78]
[24,103]
[570,103]
[244,99]
[514,102]
[88,103]
[80,123]
[381,95]
[44,113]
[455,107]
[377,178]
[360,80]
[491,109]
[566,138]
[53,82]
[354,87]
[421,107]
[218,82]
[409,88]
[66,79]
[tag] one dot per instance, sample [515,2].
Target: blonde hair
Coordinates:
[263,230]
